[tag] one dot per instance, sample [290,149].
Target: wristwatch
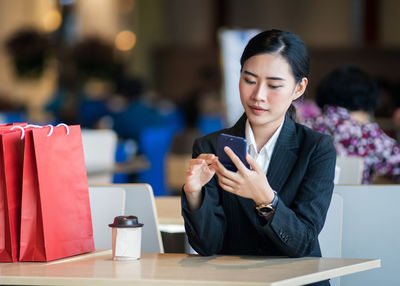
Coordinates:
[266,210]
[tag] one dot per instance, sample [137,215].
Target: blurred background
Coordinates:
[153,73]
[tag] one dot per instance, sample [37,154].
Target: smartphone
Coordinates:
[238,146]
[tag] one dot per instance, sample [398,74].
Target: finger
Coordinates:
[199,161]
[226,181]
[253,164]
[213,166]
[193,168]
[222,172]
[235,159]
[207,157]
[227,188]
[191,173]
[206,169]
[196,161]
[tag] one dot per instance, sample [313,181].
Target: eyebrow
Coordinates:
[270,77]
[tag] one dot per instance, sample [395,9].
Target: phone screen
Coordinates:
[238,146]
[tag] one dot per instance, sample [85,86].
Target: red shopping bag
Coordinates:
[55,211]
[11,158]
[6,125]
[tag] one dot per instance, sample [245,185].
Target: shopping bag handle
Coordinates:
[33,125]
[22,131]
[38,126]
[60,124]
[51,130]
[65,125]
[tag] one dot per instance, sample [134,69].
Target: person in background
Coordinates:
[279,206]
[396,117]
[183,139]
[86,82]
[131,110]
[33,60]
[347,97]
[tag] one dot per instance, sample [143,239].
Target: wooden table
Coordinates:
[98,268]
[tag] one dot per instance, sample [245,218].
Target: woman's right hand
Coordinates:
[199,173]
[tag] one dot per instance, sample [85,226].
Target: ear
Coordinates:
[300,88]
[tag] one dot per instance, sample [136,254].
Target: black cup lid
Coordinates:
[126,221]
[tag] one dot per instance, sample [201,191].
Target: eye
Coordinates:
[274,86]
[249,81]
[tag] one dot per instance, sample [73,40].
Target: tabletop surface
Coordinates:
[98,268]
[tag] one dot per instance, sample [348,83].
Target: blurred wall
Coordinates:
[148,18]
[320,23]
[165,25]
[175,37]
[97,17]
[14,15]
[190,22]
[390,23]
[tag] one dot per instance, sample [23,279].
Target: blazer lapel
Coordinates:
[283,158]
[284,155]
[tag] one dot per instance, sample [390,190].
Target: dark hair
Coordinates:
[348,87]
[29,49]
[290,46]
[94,58]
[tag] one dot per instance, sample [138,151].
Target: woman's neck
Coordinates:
[263,133]
[360,116]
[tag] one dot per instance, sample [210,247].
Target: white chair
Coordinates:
[99,147]
[330,237]
[109,201]
[368,234]
[140,202]
[349,170]
[106,202]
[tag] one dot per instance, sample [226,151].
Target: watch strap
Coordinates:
[267,209]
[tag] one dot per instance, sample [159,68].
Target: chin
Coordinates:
[262,120]
[257,120]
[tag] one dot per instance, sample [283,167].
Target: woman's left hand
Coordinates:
[251,184]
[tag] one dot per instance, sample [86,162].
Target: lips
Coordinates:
[257,109]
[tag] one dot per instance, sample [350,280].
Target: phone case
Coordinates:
[237,144]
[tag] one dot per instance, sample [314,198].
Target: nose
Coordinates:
[259,93]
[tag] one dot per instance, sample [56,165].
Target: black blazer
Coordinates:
[301,171]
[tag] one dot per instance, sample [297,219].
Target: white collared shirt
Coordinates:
[264,156]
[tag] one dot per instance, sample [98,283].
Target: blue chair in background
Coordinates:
[12,117]
[153,130]
[126,149]
[154,143]
[174,120]
[210,123]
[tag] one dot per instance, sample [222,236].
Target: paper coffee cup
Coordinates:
[126,238]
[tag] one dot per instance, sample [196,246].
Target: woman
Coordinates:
[347,97]
[278,207]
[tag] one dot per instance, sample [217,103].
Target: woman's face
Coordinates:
[267,88]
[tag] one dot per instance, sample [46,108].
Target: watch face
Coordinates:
[266,209]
